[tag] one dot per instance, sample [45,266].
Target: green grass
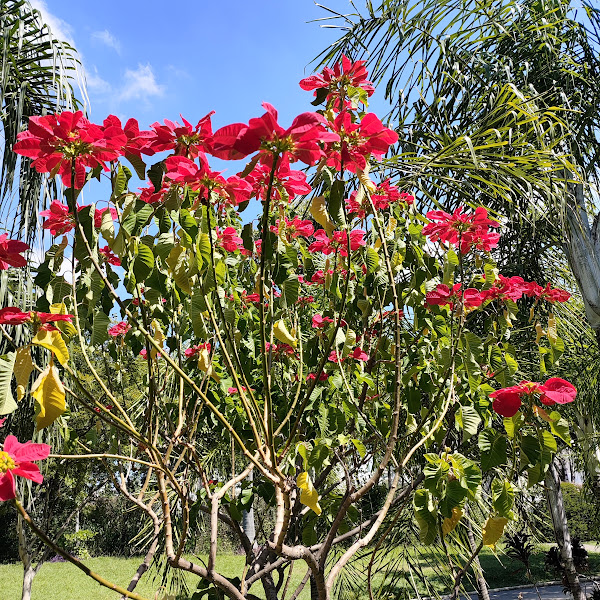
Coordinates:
[62,581]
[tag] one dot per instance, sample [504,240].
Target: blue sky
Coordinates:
[155,59]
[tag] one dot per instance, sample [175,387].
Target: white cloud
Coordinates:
[95,83]
[140,84]
[108,39]
[60,29]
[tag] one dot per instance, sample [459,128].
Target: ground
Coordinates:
[62,581]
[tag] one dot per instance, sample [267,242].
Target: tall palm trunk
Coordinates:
[561,530]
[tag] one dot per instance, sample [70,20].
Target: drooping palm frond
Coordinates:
[37,76]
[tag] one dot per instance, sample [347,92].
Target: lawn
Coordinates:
[62,581]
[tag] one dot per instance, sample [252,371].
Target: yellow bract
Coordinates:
[319,212]
[52,340]
[308,494]
[49,393]
[159,338]
[22,370]
[283,335]
[449,524]
[493,529]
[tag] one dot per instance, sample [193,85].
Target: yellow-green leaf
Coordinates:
[159,338]
[308,494]
[493,530]
[22,369]
[283,335]
[53,341]
[319,212]
[59,308]
[449,524]
[49,394]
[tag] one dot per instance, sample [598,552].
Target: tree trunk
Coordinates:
[29,572]
[28,575]
[482,588]
[561,530]
[248,526]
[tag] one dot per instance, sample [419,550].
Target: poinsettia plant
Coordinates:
[339,336]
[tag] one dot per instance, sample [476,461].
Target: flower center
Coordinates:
[75,148]
[6,462]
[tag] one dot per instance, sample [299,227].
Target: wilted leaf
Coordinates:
[308,495]
[53,341]
[449,524]
[22,370]
[49,393]
[493,530]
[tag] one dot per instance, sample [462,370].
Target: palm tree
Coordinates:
[497,103]
[36,77]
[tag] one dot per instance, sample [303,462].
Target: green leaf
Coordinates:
[493,449]
[511,363]
[560,427]
[335,200]
[372,260]
[503,497]
[426,516]
[467,419]
[138,164]
[143,263]
[290,290]
[120,182]
[7,402]
[100,328]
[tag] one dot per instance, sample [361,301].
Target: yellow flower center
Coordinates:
[6,462]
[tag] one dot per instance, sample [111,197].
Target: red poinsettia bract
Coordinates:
[462,230]
[11,315]
[507,401]
[183,171]
[338,242]
[300,141]
[358,141]
[66,142]
[442,295]
[11,252]
[184,140]
[119,329]
[344,73]
[16,459]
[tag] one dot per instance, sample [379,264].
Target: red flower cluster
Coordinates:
[229,240]
[337,80]
[11,315]
[58,219]
[183,171]
[280,350]
[514,288]
[120,328]
[16,459]
[60,143]
[357,141]
[195,350]
[444,296]
[357,354]
[338,242]
[184,140]
[294,228]
[110,257]
[10,252]
[301,141]
[384,195]
[287,183]
[507,401]
[462,230]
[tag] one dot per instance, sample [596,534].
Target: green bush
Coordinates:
[582,515]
